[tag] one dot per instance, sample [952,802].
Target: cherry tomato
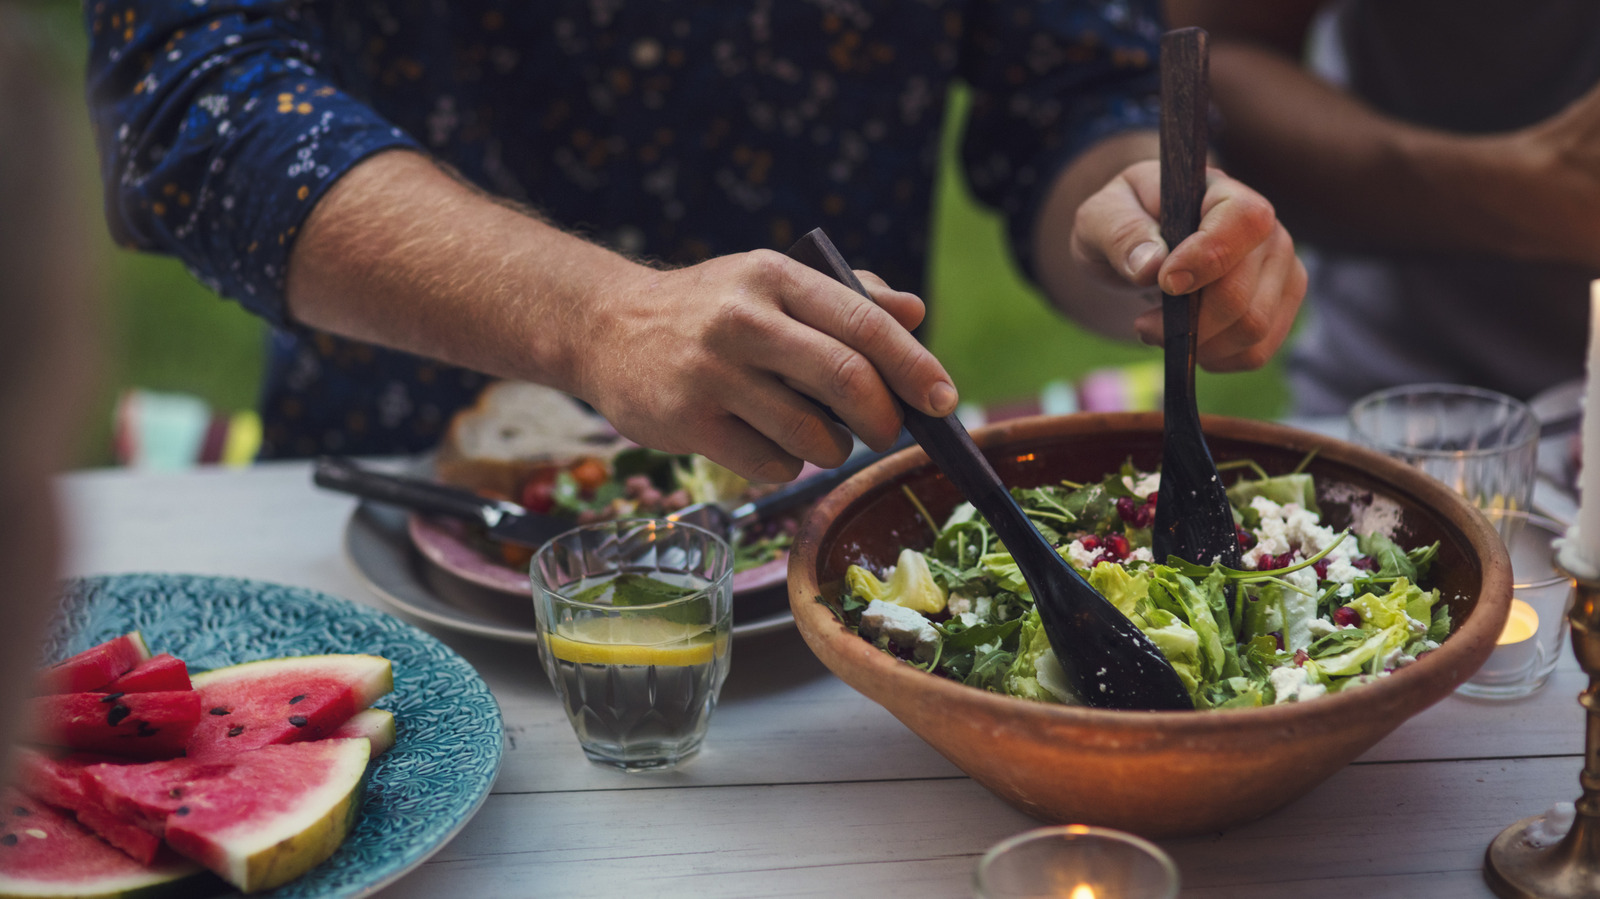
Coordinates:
[538,492]
[590,473]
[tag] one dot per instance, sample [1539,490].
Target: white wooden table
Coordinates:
[805,788]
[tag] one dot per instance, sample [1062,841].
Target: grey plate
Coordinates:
[448,732]
[379,548]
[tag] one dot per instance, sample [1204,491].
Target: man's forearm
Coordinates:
[1341,173]
[402,254]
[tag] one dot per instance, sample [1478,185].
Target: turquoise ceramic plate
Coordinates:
[448,748]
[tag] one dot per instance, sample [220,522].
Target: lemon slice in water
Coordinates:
[637,640]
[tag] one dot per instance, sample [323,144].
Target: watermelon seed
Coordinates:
[236,730]
[36,833]
[117,713]
[113,697]
[297,699]
[219,710]
[9,839]
[175,792]
[298,720]
[20,811]
[183,810]
[145,730]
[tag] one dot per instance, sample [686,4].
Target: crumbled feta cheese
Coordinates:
[1320,627]
[983,608]
[1141,554]
[1145,485]
[1289,684]
[902,625]
[1078,556]
[967,619]
[958,604]
[1397,658]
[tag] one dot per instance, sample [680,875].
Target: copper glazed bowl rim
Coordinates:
[1400,687]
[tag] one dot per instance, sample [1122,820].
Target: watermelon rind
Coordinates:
[78,865]
[257,819]
[376,726]
[283,700]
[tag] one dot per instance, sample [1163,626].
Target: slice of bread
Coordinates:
[514,429]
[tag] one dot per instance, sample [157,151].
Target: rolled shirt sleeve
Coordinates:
[1049,80]
[218,133]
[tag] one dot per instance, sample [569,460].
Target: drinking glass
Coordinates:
[1481,443]
[1536,630]
[1075,861]
[634,618]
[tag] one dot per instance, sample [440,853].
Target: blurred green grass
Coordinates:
[161,330]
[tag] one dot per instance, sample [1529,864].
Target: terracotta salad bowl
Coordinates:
[1157,774]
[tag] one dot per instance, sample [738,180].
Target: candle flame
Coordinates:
[1082,891]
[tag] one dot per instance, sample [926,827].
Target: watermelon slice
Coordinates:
[95,667]
[158,674]
[258,819]
[43,852]
[131,725]
[376,726]
[58,781]
[283,701]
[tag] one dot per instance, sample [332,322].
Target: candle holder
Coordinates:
[1519,864]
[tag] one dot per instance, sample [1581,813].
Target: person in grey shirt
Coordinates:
[1441,158]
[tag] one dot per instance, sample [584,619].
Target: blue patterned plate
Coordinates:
[420,793]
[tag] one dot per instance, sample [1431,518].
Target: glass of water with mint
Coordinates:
[634,620]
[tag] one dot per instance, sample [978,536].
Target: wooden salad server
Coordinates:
[1108,660]
[1193,519]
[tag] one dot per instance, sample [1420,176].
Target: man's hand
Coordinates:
[1241,260]
[732,358]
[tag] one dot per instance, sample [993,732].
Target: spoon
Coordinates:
[1193,519]
[1107,659]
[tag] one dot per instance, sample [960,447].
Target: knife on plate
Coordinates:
[510,522]
[505,520]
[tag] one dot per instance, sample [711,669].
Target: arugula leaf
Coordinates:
[978,634]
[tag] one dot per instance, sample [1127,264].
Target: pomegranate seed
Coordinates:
[1278,636]
[1246,539]
[1301,657]
[1117,545]
[1321,568]
[1126,510]
[1144,516]
[1104,557]
[1090,542]
[1344,616]
[1151,499]
[1365,563]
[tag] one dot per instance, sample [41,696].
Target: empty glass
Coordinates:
[1481,443]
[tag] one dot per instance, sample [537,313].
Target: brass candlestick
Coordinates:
[1517,867]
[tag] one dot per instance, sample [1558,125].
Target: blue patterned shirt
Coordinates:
[674,131]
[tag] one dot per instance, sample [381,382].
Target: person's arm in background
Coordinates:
[1083,107]
[1344,174]
[225,144]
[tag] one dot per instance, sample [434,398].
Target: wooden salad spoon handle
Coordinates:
[1193,519]
[1107,659]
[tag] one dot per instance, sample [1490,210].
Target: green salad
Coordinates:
[1317,611]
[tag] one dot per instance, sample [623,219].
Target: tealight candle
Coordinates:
[1075,861]
[1514,651]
